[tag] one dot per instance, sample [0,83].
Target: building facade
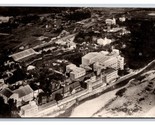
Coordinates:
[23,94]
[29,109]
[76,73]
[109,75]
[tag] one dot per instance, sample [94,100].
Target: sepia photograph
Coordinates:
[77,62]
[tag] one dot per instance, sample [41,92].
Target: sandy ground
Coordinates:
[88,108]
[135,102]
[150,113]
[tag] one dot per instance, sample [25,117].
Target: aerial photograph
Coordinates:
[77,62]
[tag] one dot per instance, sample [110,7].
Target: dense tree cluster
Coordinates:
[6,110]
[78,15]
[140,46]
[13,11]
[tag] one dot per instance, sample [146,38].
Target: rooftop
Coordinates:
[77,70]
[104,55]
[29,106]
[109,70]
[23,91]
[6,92]
[23,54]
[90,55]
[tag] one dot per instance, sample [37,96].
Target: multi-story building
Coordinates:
[94,83]
[6,93]
[111,60]
[75,72]
[70,67]
[22,94]
[109,75]
[121,63]
[89,58]
[29,109]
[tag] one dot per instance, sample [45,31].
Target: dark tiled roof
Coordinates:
[6,92]
[23,91]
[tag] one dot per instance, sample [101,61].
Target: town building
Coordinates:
[37,92]
[66,39]
[106,59]
[74,71]
[6,93]
[23,94]
[94,83]
[77,72]
[70,67]
[121,63]
[2,84]
[23,55]
[29,109]
[89,58]
[109,74]
[110,21]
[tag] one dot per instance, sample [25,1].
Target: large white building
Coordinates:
[109,75]
[89,58]
[106,59]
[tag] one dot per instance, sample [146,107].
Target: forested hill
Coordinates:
[11,11]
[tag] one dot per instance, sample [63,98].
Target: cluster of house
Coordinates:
[67,40]
[24,97]
[97,68]
[104,64]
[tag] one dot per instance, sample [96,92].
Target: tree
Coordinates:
[1,105]
[4,109]
[120,92]
[40,95]
[58,96]
[12,104]
[83,84]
